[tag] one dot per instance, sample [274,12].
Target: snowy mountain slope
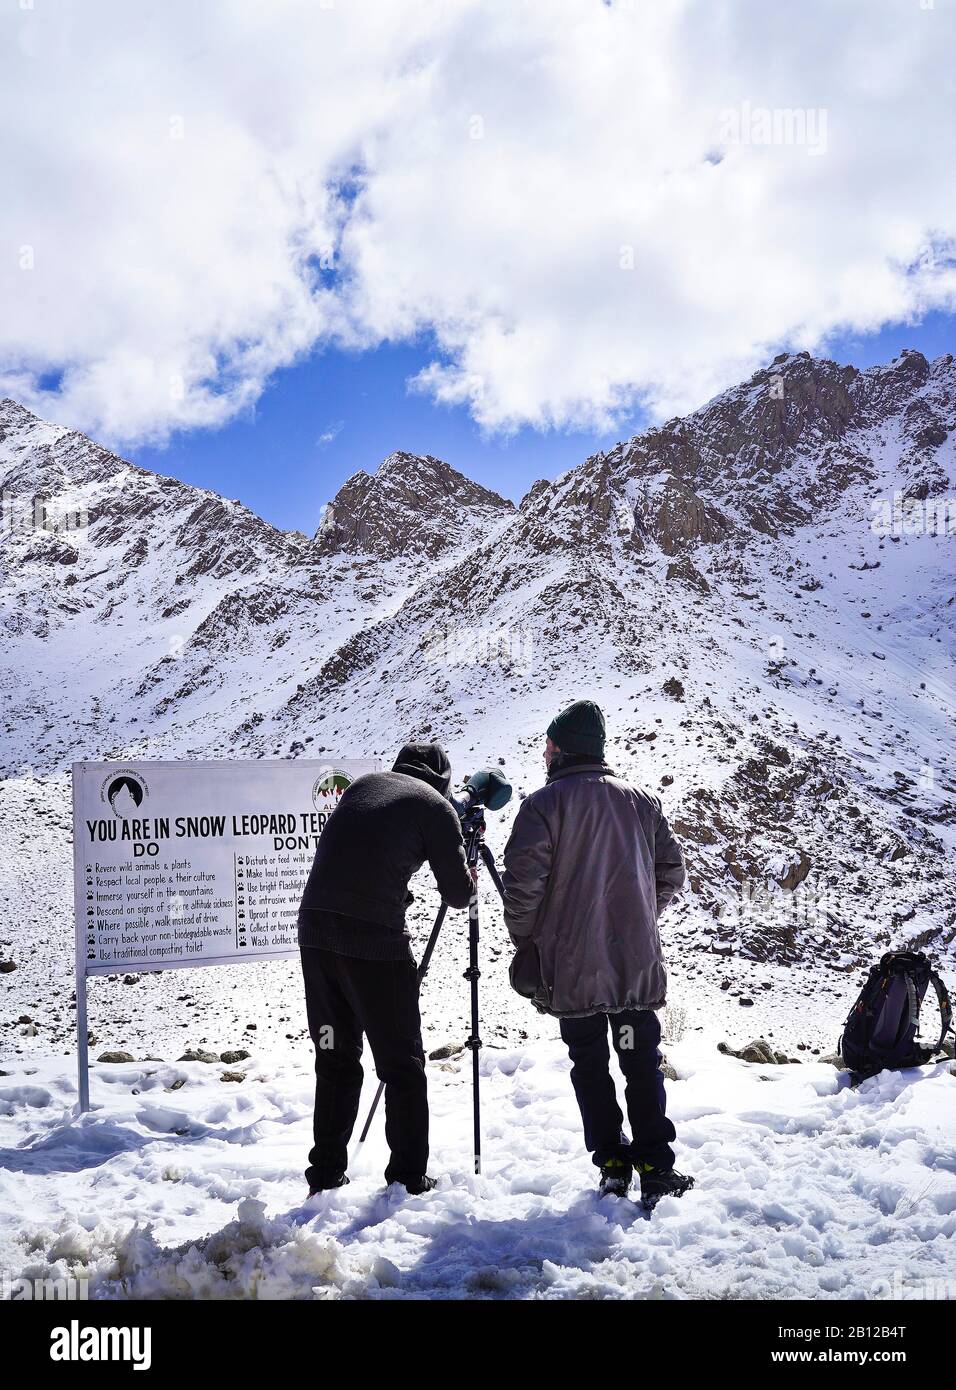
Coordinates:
[782,673]
[158,613]
[771,665]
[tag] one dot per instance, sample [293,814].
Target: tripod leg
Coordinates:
[488,859]
[371,1112]
[474,1042]
[422,972]
[432,940]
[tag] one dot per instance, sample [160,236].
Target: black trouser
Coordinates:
[346,997]
[635,1034]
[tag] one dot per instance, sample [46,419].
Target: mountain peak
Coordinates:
[413,504]
[9,408]
[14,418]
[37,456]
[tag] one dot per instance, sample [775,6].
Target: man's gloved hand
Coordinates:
[490,787]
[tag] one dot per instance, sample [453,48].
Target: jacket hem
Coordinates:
[356,905]
[350,937]
[602,1009]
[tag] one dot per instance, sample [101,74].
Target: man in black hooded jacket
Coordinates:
[360,975]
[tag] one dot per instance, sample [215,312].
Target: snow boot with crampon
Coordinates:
[616,1175]
[661,1182]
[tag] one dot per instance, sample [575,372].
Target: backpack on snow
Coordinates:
[880,1030]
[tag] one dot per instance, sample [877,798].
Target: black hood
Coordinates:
[428,762]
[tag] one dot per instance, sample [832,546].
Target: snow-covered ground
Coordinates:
[180,1184]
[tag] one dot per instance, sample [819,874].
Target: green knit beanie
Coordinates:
[579,729]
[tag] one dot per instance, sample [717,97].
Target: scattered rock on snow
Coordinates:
[758,1051]
[796,872]
[239,1054]
[198,1054]
[233,1076]
[115,1057]
[448,1049]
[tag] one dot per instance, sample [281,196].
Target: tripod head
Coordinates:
[473,820]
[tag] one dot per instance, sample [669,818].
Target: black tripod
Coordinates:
[473,829]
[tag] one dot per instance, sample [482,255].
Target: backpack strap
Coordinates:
[945,1009]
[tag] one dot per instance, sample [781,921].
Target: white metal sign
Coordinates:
[193,863]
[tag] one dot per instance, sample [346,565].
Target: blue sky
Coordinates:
[334,413]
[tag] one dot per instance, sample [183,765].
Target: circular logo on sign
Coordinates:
[125,791]
[328,787]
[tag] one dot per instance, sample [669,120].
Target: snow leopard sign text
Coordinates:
[195,863]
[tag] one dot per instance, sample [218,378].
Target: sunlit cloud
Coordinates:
[583,206]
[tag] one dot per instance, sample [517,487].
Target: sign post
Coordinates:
[179,864]
[82,1045]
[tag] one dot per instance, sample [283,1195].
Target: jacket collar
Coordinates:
[572,768]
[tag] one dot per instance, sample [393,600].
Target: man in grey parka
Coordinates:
[590,864]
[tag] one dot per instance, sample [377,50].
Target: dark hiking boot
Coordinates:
[661,1182]
[340,1181]
[616,1177]
[416,1185]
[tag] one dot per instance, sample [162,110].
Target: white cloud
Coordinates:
[576,200]
[330,434]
